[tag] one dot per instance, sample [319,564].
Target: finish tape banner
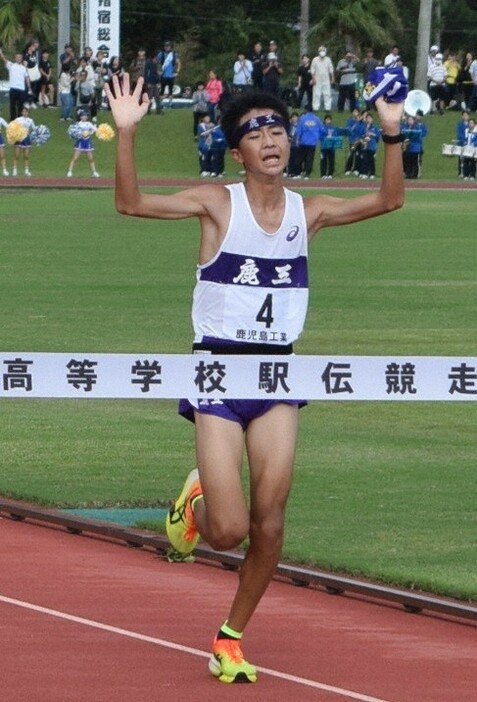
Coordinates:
[217,377]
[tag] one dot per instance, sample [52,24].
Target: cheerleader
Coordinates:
[2,147]
[24,146]
[84,143]
[469,149]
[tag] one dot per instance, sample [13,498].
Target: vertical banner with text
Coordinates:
[101,26]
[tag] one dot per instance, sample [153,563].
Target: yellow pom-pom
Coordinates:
[105,132]
[15,132]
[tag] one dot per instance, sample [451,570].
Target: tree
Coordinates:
[423,39]
[360,23]
[21,20]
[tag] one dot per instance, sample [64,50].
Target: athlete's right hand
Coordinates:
[128,108]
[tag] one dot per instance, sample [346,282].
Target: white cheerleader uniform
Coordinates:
[29,124]
[85,143]
[252,297]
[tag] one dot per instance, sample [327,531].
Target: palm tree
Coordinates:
[21,20]
[360,22]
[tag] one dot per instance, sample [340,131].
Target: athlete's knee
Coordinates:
[226,535]
[269,529]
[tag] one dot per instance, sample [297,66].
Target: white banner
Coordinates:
[101,26]
[155,376]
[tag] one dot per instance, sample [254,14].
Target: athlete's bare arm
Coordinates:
[210,203]
[326,211]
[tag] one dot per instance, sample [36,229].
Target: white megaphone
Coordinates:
[417,100]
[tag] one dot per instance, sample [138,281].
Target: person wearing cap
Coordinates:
[347,76]
[272,69]
[322,73]
[251,297]
[432,55]
[437,74]
[170,64]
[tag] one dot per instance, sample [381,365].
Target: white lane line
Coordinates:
[183,649]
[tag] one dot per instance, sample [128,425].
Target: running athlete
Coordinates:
[251,297]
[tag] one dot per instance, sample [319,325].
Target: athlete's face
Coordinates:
[265,150]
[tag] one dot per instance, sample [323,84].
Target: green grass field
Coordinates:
[383,490]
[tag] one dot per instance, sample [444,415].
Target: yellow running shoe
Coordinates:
[180,523]
[228,665]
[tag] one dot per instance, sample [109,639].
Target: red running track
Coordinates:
[84,619]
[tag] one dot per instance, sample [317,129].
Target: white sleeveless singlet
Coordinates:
[255,289]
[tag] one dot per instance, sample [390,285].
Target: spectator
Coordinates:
[86,96]
[412,146]
[432,56]
[100,68]
[368,64]
[328,146]
[115,68]
[309,133]
[473,75]
[257,57]
[218,149]
[461,130]
[470,144]
[242,73]
[452,67]
[293,167]
[18,84]
[392,58]
[170,63]
[367,161]
[305,83]
[31,60]
[354,144]
[272,69]
[200,101]
[465,81]
[215,89]
[322,72]
[346,71]
[137,69]
[65,83]
[68,60]
[437,75]
[204,137]
[47,89]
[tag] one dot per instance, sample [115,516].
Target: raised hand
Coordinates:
[128,107]
[390,115]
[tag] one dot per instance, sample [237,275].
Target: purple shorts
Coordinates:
[241,411]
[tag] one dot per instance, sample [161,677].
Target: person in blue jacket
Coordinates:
[331,140]
[309,132]
[412,147]
[370,139]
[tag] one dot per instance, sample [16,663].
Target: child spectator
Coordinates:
[23,147]
[218,149]
[367,164]
[352,131]
[3,124]
[328,146]
[460,138]
[204,135]
[84,144]
[294,166]
[309,132]
[200,101]
[470,145]
[412,146]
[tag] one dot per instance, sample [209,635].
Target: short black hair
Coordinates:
[250,100]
